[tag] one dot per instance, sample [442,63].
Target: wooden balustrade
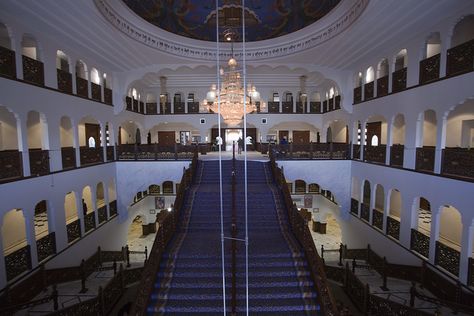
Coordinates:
[113,208]
[396,155]
[300,107]
[375,153]
[165,108]
[64,81]
[39,162]
[425,157]
[82,87]
[315,107]
[156,152]
[420,243]
[46,246]
[141,107]
[7,63]
[68,155]
[447,257]
[354,206]
[11,164]
[458,162]
[163,236]
[399,80]
[310,151]
[33,71]
[369,90]
[135,107]
[273,107]
[18,262]
[179,107]
[393,227]
[193,107]
[91,155]
[110,151]
[287,107]
[377,219]
[365,211]
[382,86]
[89,222]
[128,104]
[151,108]
[73,230]
[96,92]
[429,69]
[102,214]
[460,59]
[325,106]
[355,151]
[337,102]
[470,273]
[357,95]
[108,96]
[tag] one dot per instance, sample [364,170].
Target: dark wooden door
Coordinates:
[282,134]
[166,138]
[92,130]
[300,137]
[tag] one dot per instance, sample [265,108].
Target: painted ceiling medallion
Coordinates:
[306,38]
[264,19]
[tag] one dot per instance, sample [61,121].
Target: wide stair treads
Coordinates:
[190,276]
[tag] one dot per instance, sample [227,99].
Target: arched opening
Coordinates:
[287,102]
[340,136]
[433,45]
[82,82]
[29,48]
[95,77]
[9,146]
[458,154]
[462,40]
[394,214]
[38,143]
[365,205]
[430,65]
[358,80]
[8,67]
[107,80]
[421,227]
[44,232]
[178,103]
[154,189]
[376,139]
[151,104]
[66,137]
[300,186]
[448,244]
[355,196]
[63,72]
[5,40]
[33,69]
[168,187]
[369,83]
[315,103]
[73,225]
[379,207]
[398,141]
[426,141]
[128,135]
[90,141]
[101,203]
[382,77]
[62,61]
[382,68]
[463,31]
[112,198]
[96,88]
[399,75]
[15,246]
[88,209]
[313,188]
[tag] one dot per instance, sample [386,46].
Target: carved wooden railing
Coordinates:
[11,164]
[377,219]
[425,157]
[73,230]
[46,246]
[110,151]
[141,107]
[151,108]
[337,102]
[273,107]
[68,155]
[64,81]
[470,272]
[300,107]
[163,236]
[287,107]
[399,80]
[39,162]
[128,104]
[375,153]
[429,69]
[89,221]
[325,106]
[156,152]
[18,262]
[193,107]
[179,107]
[96,92]
[355,151]
[113,208]
[7,63]
[357,95]
[460,59]
[458,162]
[369,90]
[134,105]
[165,108]
[354,206]
[382,86]
[102,214]
[396,155]
[108,96]
[365,211]
[310,151]
[303,235]
[33,71]
[420,243]
[447,257]
[91,156]
[315,107]
[393,227]
[82,87]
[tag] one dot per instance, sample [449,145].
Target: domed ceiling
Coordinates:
[264,19]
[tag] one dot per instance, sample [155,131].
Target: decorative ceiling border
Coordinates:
[258,53]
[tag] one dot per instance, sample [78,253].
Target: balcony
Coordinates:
[429,69]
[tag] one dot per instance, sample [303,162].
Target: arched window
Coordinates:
[62,61]
[401,60]
[463,31]
[433,45]
[5,40]
[369,75]
[30,47]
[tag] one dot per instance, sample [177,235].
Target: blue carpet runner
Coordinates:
[190,276]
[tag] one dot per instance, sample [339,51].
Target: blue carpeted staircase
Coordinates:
[190,277]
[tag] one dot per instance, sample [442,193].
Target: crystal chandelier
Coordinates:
[232,93]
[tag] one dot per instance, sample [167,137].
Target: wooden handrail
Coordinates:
[163,236]
[303,235]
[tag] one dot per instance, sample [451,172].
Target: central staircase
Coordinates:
[190,278]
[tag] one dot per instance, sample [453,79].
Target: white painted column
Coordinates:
[24,146]
[75,140]
[49,66]
[466,246]
[413,130]
[362,140]
[55,156]
[57,217]
[389,141]
[18,58]
[80,213]
[413,66]
[405,221]
[440,144]
[104,141]
[434,232]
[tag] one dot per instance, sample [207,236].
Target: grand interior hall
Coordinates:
[213,157]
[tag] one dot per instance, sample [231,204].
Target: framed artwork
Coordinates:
[159,202]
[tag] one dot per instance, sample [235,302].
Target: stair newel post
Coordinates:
[346,276]
[354,264]
[146,254]
[114,266]
[384,275]
[368,254]
[99,256]
[340,255]
[322,252]
[44,278]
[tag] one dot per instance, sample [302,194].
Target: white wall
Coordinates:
[8,133]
